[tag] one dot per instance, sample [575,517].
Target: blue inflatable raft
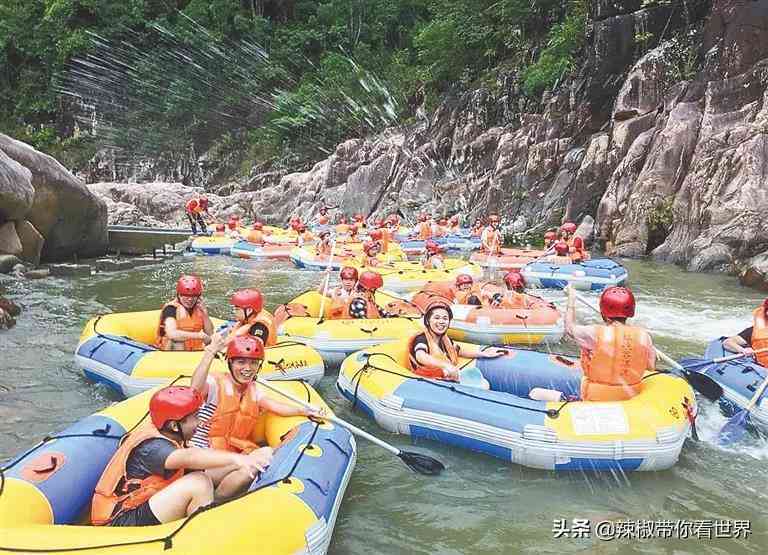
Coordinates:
[595,275]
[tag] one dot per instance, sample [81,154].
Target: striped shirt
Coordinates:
[204,415]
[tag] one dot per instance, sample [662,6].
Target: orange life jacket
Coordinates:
[386,237]
[760,335]
[264,318]
[322,220]
[339,309]
[491,240]
[255,236]
[235,417]
[107,502]
[425,231]
[192,207]
[614,370]
[462,297]
[366,260]
[441,348]
[443,289]
[184,322]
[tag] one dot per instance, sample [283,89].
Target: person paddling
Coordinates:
[184,322]
[753,338]
[432,259]
[145,484]
[614,355]
[432,353]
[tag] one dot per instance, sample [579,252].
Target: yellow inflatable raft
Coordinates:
[646,432]
[406,277]
[212,245]
[291,508]
[115,349]
[335,339]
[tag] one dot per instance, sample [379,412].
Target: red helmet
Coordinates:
[295,219]
[464,279]
[370,245]
[443,221]
[173,403]
[376,234]
[192,203]
[561,248]
[220,227]
[245,346]
[568,227]
[550,236]
[348,272]
[248,298]
[232,224]
[422,217]
[433,304]
[359,218]
[494,218]
[370,280]
[617,302]
[190,286]
[432,247]
[258,225]
[379,223]
[514,280]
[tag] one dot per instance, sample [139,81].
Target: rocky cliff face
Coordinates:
[44,210]
[661,135]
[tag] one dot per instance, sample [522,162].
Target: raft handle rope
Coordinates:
[551,413]
[166,540]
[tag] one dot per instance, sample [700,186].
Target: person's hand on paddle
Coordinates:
[204,336]
[319,413]
[261,457]
[748,351]
[493,352]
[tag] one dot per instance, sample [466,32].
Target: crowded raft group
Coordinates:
[436,330]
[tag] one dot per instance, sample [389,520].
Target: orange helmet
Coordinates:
[190,286]
[370,280]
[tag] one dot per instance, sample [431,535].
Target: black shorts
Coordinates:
[140,516]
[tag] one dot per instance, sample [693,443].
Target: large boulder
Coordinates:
[31,241]
[9,240]
[64,211]
[16,191]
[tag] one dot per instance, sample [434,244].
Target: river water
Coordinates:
[479,504]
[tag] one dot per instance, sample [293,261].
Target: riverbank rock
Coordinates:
[63,211]
[9,239]
[7,263]
[16,191]
[31,242]
[8,311]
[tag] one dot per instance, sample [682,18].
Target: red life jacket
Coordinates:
[614,370]
[184,322]
[133,492]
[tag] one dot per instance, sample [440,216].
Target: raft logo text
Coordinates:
[607,530]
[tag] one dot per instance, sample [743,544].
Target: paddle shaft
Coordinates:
[327,277]
[756,397]
[331,418]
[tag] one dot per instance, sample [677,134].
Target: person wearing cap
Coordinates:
[155,476]
[752,340]
[184,323]
[323,244]
[369,256]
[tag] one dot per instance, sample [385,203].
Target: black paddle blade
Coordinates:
[422,464]
[705,385]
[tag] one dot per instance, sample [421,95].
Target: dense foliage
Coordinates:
[280,75]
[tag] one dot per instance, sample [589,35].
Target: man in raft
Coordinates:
[433,354]
[343,292]
[491,238]
[753,338]
[233,404]
[432,259]
[151,478]
[184,322]
[361,303]
[465,291]
[194,213]
[614,355]
[574,242]
[323,245]
[251,318]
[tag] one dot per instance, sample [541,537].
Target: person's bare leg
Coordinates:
[232,484]
[182,497]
